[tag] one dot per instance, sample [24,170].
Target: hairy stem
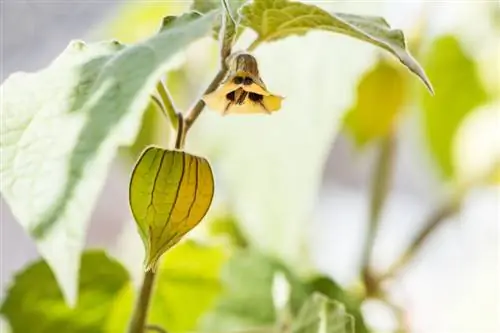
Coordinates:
[168,104]
[227,36]
[181,125]
[138,324]
[380,187]
[195,111]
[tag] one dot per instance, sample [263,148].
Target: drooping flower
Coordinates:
[243,91]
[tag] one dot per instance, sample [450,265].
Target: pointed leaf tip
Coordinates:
[271,20]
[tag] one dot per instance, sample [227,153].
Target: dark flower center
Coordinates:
[255,97]
[245,80]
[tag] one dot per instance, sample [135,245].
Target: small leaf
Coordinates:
[332,290]
[35,304]
[460,92]
[322,315]
[247,300]
[187,285]
[277,19]
[61,128]
[170,193]
[380,98]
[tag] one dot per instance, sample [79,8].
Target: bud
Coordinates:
[170,193]
[242,91]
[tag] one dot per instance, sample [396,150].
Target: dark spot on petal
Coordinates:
[231,96]
[238,80]
[255,97]
[247,81]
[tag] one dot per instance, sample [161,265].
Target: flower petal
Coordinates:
[272,102]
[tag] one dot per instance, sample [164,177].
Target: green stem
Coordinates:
[195,111]
[227,36]
[380,187]
[138,323]
[168,104]
[447,210]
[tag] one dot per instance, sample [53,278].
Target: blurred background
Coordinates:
[299,183]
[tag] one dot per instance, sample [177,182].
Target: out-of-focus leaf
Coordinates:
[187,285]
[381,95]
[476,147]
[226,225]
[247,300]
[277,19]
[135,21]
[332,290]
[322,315]
[458,92]
[35,304]
[170,193]
[61,128]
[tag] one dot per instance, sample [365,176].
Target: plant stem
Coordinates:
[195,111]
[447,210]
[181,125]
[168,104]
[379,190]
[138,323]
[227,37]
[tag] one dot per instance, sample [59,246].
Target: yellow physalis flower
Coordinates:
[242,91]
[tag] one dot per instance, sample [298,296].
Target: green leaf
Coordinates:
[247,300]
[459,92]
[322,315]
[187,285]
[277,19]
[61,128]
[170,193]
[380,97]
[206,6]
[231,7]
[226,226]
[35,304]
[334,291]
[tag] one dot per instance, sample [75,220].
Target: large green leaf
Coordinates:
[35,304]
[187,285]
[381,95]
[322,315]
[61,127]
[458,92]
[247,300]
[277,19]
[170,193]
